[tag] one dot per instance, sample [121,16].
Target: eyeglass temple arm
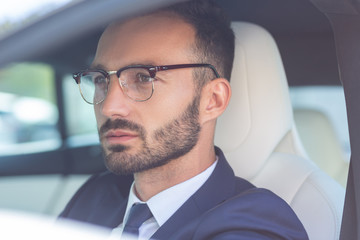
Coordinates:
[76,77]
[169,67]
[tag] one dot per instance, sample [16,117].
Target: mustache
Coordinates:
[122,124]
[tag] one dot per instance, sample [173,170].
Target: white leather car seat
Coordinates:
[321,143]
[258,136]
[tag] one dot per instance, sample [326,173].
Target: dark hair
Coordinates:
[214,42]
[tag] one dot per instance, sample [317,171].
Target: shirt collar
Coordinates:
[164,204]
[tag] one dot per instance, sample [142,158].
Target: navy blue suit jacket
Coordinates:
[225,207]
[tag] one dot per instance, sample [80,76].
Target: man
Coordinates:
[158,83]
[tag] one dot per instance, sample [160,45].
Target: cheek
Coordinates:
[98,115]
[174,94]
[170,99]
[165,111]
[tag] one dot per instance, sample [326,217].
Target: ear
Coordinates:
[215,98]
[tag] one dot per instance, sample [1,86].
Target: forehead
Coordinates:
[152,39]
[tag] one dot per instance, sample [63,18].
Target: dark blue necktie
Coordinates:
[139,213]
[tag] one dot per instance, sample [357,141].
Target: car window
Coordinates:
[79,115]
[28,112]
[17,13]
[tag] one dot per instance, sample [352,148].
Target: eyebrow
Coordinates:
[97,66]
[102,67]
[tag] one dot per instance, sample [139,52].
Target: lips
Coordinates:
[119,136]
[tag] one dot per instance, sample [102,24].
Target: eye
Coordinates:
[143,78]
[99,80]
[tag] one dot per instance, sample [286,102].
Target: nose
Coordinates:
[116,103]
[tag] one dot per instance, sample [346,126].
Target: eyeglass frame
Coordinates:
[150,68]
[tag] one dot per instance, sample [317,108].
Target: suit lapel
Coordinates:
[114,218]
[109,209]
[219,187]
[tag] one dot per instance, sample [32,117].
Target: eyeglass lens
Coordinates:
[136,83]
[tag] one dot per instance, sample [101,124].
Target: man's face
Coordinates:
[138,136]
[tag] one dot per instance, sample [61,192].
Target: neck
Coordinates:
[153,181]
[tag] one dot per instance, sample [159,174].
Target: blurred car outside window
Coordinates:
[28,112]
[79,116]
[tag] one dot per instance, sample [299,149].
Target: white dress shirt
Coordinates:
[164,204]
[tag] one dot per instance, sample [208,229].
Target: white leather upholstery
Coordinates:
[318,134]
[258,136]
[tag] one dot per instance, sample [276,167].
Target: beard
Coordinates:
[174,140]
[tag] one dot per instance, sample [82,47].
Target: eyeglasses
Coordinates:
[136,81]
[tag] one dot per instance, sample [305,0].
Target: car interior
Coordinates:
[332,161]
[282,47]
[260,118]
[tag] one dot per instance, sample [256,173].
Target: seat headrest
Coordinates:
[259,114]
